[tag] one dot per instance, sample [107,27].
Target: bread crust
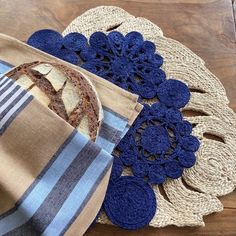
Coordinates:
[63,90]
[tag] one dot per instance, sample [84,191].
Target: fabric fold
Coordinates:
[49,168]
[53,179]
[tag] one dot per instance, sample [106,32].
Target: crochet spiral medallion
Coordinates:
[130,202]
[159,145]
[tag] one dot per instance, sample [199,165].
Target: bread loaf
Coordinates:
[63,90]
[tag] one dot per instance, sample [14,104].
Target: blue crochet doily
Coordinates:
[129,62]
[159,144]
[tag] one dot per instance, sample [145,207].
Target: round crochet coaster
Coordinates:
[196,193]
[130,203]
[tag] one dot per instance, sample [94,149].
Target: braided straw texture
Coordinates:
[183,202]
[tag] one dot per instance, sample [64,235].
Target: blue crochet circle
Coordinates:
[190,143]
[173,115]
[155,139]
[99,41]
[173,169]
[130,203]
[184,128]
[173,93]
[46,40]
[140,168]
[157,174]
[187,159]
[75,42]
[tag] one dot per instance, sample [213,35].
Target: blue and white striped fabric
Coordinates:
[13,99]
[61,191]
[63,188]
[4,67]
[113,129]
[114,126]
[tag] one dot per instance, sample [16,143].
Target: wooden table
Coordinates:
[205,26]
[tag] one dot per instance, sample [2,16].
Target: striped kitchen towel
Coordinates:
[57,175]
[120,107]
[52,179]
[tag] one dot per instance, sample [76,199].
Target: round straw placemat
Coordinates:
[183,201]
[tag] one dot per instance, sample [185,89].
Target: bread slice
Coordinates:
[65,91]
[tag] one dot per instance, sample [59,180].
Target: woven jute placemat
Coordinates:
[184,201]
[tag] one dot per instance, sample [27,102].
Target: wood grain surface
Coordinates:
[207,27]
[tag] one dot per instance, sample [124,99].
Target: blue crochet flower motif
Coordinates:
[128,61]
[159,144]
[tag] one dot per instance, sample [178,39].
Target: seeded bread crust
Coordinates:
[65,91]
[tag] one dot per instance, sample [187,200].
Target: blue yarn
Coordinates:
[156,76]
[130,203]
[190,143]
[67,55]
[159,135]
[173,169]
[173,93]
[116,40]
[148,47]
[133,42]
[157,174]
[127,144]
[155,139]
[184,128]
[145,90]
[46,40]
[158,109]
[75,42]
[88,54]
[140,168]
[158,60]
[173,115]
[122,59]
[128,158]
[117,168]
[187,159]
[99,41]
[159,144]
[128,61]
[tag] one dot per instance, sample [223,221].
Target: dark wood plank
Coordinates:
[223,223]
[229,201]
[205,26]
